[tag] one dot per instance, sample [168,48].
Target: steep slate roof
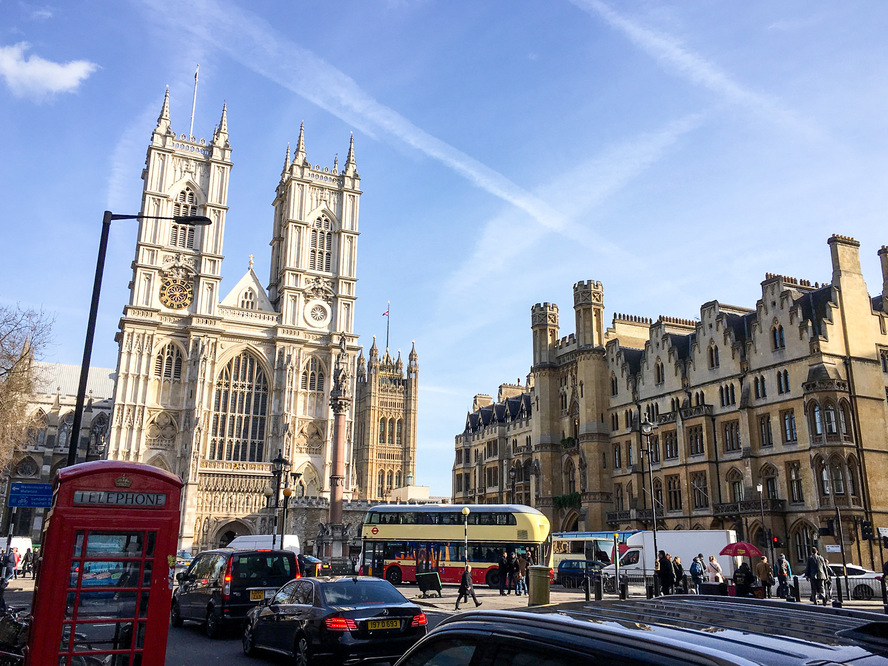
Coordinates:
[814,307]
[518,406]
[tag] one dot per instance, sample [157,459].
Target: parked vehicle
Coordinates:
[221,585]
[260,541]
[341,619]
[674,630]
[572,572]
[865,584]
[640,556]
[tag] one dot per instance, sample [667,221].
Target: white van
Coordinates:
[22,543]
[264,541]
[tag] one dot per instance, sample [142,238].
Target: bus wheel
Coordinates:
[393,575]
[492,579]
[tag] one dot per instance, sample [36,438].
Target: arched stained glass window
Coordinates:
[240,406]
[168,363]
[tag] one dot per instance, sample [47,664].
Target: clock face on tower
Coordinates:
[176,293]
[317,313]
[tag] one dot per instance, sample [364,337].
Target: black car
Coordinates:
[572,572]
[338,619]
[220,586]
[683,629]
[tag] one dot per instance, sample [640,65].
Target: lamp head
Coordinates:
[199,220]
[759,487]
[268,492]
[512,473]
[465,511]
[288,492]
[279,464]
[646,427]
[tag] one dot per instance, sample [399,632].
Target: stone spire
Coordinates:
[299,156]
[350,168]
[287,160]
[163,120]
[221,134]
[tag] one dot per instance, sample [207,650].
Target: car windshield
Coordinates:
[348,592]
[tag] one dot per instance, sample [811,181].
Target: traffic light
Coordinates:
[776,542]
[866,530]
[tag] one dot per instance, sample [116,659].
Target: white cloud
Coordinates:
[41,14]
[671,53]
[37,78]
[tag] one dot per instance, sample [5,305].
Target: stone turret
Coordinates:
[544,324]
[589,307]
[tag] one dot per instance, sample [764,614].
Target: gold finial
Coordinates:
[251,262]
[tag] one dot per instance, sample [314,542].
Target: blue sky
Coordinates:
[675,151]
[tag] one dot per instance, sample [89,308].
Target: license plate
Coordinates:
[257,595]
[383,624]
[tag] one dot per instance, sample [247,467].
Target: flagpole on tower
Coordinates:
[385,314]
[193,104]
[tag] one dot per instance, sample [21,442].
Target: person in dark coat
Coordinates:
[666,573]
[743,579]
[817,571]
[505,574]
[466,588]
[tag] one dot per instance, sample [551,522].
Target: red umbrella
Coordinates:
[741,549]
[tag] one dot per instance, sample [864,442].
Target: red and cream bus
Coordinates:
[403,539]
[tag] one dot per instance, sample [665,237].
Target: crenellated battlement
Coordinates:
[791,281]
[676,321]
[631,319]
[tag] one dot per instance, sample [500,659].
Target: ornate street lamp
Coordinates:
[278,467]
[646,429]
[109,217]
[512,474]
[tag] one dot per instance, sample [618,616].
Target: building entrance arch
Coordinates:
[226,532]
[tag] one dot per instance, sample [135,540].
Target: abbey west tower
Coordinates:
[213,389]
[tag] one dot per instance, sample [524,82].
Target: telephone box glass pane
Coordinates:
[103,636]
[103,604]
[114,544]
[146,575]
[78,544]
[149,551]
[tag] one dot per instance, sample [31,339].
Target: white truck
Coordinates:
[639,555]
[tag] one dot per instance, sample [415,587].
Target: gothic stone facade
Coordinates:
[213,390]
[777,412]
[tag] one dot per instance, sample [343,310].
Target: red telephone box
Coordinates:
[106,565]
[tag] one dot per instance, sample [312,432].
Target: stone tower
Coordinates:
[385,423]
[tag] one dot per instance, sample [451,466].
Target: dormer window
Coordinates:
[713,356]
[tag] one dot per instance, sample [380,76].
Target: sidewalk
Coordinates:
[20,592]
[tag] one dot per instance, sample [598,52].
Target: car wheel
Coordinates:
[248,642]
[492,579]
[301,652]
[863,592]
[213,626]
[175,615]
[393,575]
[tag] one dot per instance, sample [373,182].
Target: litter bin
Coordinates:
[538,584]
[429,582]
[718,589]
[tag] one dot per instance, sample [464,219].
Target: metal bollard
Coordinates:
[795,588]
[624,589]
[586,587]
[599,591]
[838,602]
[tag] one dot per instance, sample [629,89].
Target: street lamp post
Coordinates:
[465,513]
[288,492]
[278,467]
[512,475]
[766,532]
[109,217]
[646,429]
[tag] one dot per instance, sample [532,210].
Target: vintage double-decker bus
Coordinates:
[401,540]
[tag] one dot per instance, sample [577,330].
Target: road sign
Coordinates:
[30,494]
[883,531]
[833,549]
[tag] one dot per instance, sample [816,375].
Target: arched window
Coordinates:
[777,339]
[391,431]
[182,235]
[838,477]
[613,385]
[65,429]
[168,362]
[398,479]
[570,475]
[786,381]
[320,255]
[801,539]
[240,407]
[853,485]
[380,484]
[844,421]
[312,376]
[658,495]
[248,300]
[829,419]
[389,480]
[713,356]
[721,395]
[659,372]
[382,431]
[400,425]
[618,497]
[780,387]
[735,485]
[796,495]
[816,420]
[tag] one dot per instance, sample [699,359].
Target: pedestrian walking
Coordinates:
[714,570]
[503,567]
[784,574]
[9,561]
[743,579]
[765,574]
[520,583]
[697,571]
[27,563]
[681,584]
[666,572]
[466,588]
[817,571]
[18,561]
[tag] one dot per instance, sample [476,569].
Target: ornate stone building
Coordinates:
[51,411]
[769,420]
[385,423]
[214,387]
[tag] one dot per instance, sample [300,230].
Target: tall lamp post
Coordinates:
[278,467]
[512,474]
[109,217]
[766,532]
[646,429]
[288,492]
[465,513]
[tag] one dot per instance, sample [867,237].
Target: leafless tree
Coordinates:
[23,335]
